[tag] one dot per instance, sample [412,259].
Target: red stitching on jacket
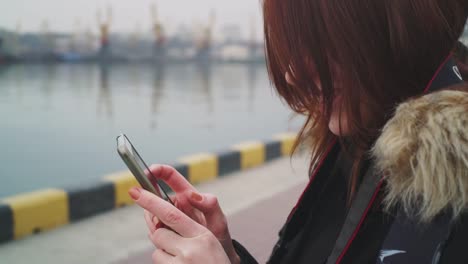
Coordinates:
[437,73]
[316,170]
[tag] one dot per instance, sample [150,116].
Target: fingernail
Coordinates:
[165,172]
[135,193]
[197,197]
[164,175]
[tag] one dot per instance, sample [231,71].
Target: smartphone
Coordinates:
[138,167]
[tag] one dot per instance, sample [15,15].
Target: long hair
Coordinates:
[374,54]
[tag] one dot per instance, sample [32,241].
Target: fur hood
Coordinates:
[423,155]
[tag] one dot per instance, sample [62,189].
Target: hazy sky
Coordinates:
[127,14]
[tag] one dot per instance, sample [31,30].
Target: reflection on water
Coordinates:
[251,74]
[60,121]
[157,94]
[104,103]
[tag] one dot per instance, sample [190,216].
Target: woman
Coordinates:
[387,125]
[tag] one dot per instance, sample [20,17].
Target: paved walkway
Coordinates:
[256,202]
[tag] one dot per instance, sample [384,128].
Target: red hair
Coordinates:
[375,54]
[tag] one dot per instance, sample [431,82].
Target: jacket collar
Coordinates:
[422,151]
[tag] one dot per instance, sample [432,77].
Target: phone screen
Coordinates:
[139,168]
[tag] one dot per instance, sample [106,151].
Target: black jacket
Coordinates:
[432,130]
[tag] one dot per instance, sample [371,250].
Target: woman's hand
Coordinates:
[186,242]
[202,208]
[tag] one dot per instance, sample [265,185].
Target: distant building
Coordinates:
[187,43]
[231,34]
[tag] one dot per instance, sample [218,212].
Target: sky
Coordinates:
[128,15]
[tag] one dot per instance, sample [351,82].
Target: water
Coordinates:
[59,122]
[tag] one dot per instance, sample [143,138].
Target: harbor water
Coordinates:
[59,122]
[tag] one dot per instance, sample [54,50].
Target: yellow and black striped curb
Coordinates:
[26,214]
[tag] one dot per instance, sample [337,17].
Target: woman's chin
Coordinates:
[334,127]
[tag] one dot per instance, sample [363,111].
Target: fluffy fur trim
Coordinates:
[423,154]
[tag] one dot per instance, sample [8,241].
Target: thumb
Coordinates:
[216,220]
[206,203]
